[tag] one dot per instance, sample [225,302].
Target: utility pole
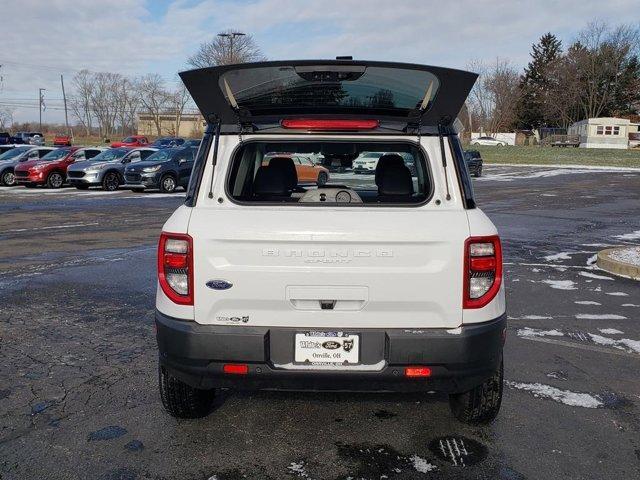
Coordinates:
[64,97]
[41,97]
[231,36]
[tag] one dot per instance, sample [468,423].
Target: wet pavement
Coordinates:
[78,386]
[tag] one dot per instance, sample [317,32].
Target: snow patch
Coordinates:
[630,305]
[610,331]
[593,275]
[566,397]
[298,469]
[606,316]
[592,259]
[631,346]
[627,255]
[558,256]
[617,294]
[561,284]
[536,317]
[534,332]
[586,302]
[629,236]
[421,465]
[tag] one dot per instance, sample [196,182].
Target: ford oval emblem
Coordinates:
[219,284]
[331,345]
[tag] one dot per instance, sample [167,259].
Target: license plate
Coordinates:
[327,348]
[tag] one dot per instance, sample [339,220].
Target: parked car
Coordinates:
[62,141]
[488,141]
[5,138]
[167,142]
[634,139]
[51,170]
[192,143]
[133,141]
[355,286]
[367,162]
[23,153]
[6,148]
[474,162]
[166,169]
[30,138]
[107,168]
[306,171]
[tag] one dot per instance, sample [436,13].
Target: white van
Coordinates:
[385,282]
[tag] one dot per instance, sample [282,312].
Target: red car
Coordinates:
[51,170]
[62,141]
[134,141]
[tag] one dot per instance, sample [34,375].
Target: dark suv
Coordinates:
[166,170]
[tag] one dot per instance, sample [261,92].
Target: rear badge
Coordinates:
[219,285]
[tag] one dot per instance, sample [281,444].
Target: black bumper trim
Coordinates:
[196,353]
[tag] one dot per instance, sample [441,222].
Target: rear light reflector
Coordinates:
[482,270]
[417,372]
[236,368]
[175,267]
[340,125]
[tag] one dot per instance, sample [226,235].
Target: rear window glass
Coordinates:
[354,88]
[329,173]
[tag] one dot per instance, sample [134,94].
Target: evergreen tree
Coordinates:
[536,82]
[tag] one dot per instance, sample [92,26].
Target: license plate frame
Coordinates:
[338,349]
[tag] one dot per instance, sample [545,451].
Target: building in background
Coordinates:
[605,132]
[191,125]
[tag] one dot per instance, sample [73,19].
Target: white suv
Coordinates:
[387,282]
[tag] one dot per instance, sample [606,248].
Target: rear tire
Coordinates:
[478,173]
[183,401]
[55,180]
[322,179]
[481,404]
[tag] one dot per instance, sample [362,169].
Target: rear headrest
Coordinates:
[395,180]
[385,161]
[287,168]
[270,181]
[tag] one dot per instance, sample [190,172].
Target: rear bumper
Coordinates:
[196,354]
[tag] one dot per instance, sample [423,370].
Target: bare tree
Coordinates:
[6,117]
[177,102]
[126,102]
[494,97]
[226,49]
[601,55]
[80,101]
[154,98]
[104,103]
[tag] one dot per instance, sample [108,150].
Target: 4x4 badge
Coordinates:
[219,284]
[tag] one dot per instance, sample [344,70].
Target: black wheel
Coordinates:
[137,190]
[111,181]
[478,173]
[168,184]
[55,180]
[8,179]
[183,401]
[322,179]
[481,404]
[82,187]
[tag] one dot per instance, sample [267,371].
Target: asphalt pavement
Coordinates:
[78,381]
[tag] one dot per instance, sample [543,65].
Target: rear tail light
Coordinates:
[339,125]
[175,267]
[482,270]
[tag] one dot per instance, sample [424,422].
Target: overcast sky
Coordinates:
[43,39]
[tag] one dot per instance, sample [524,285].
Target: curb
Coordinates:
[616,267]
